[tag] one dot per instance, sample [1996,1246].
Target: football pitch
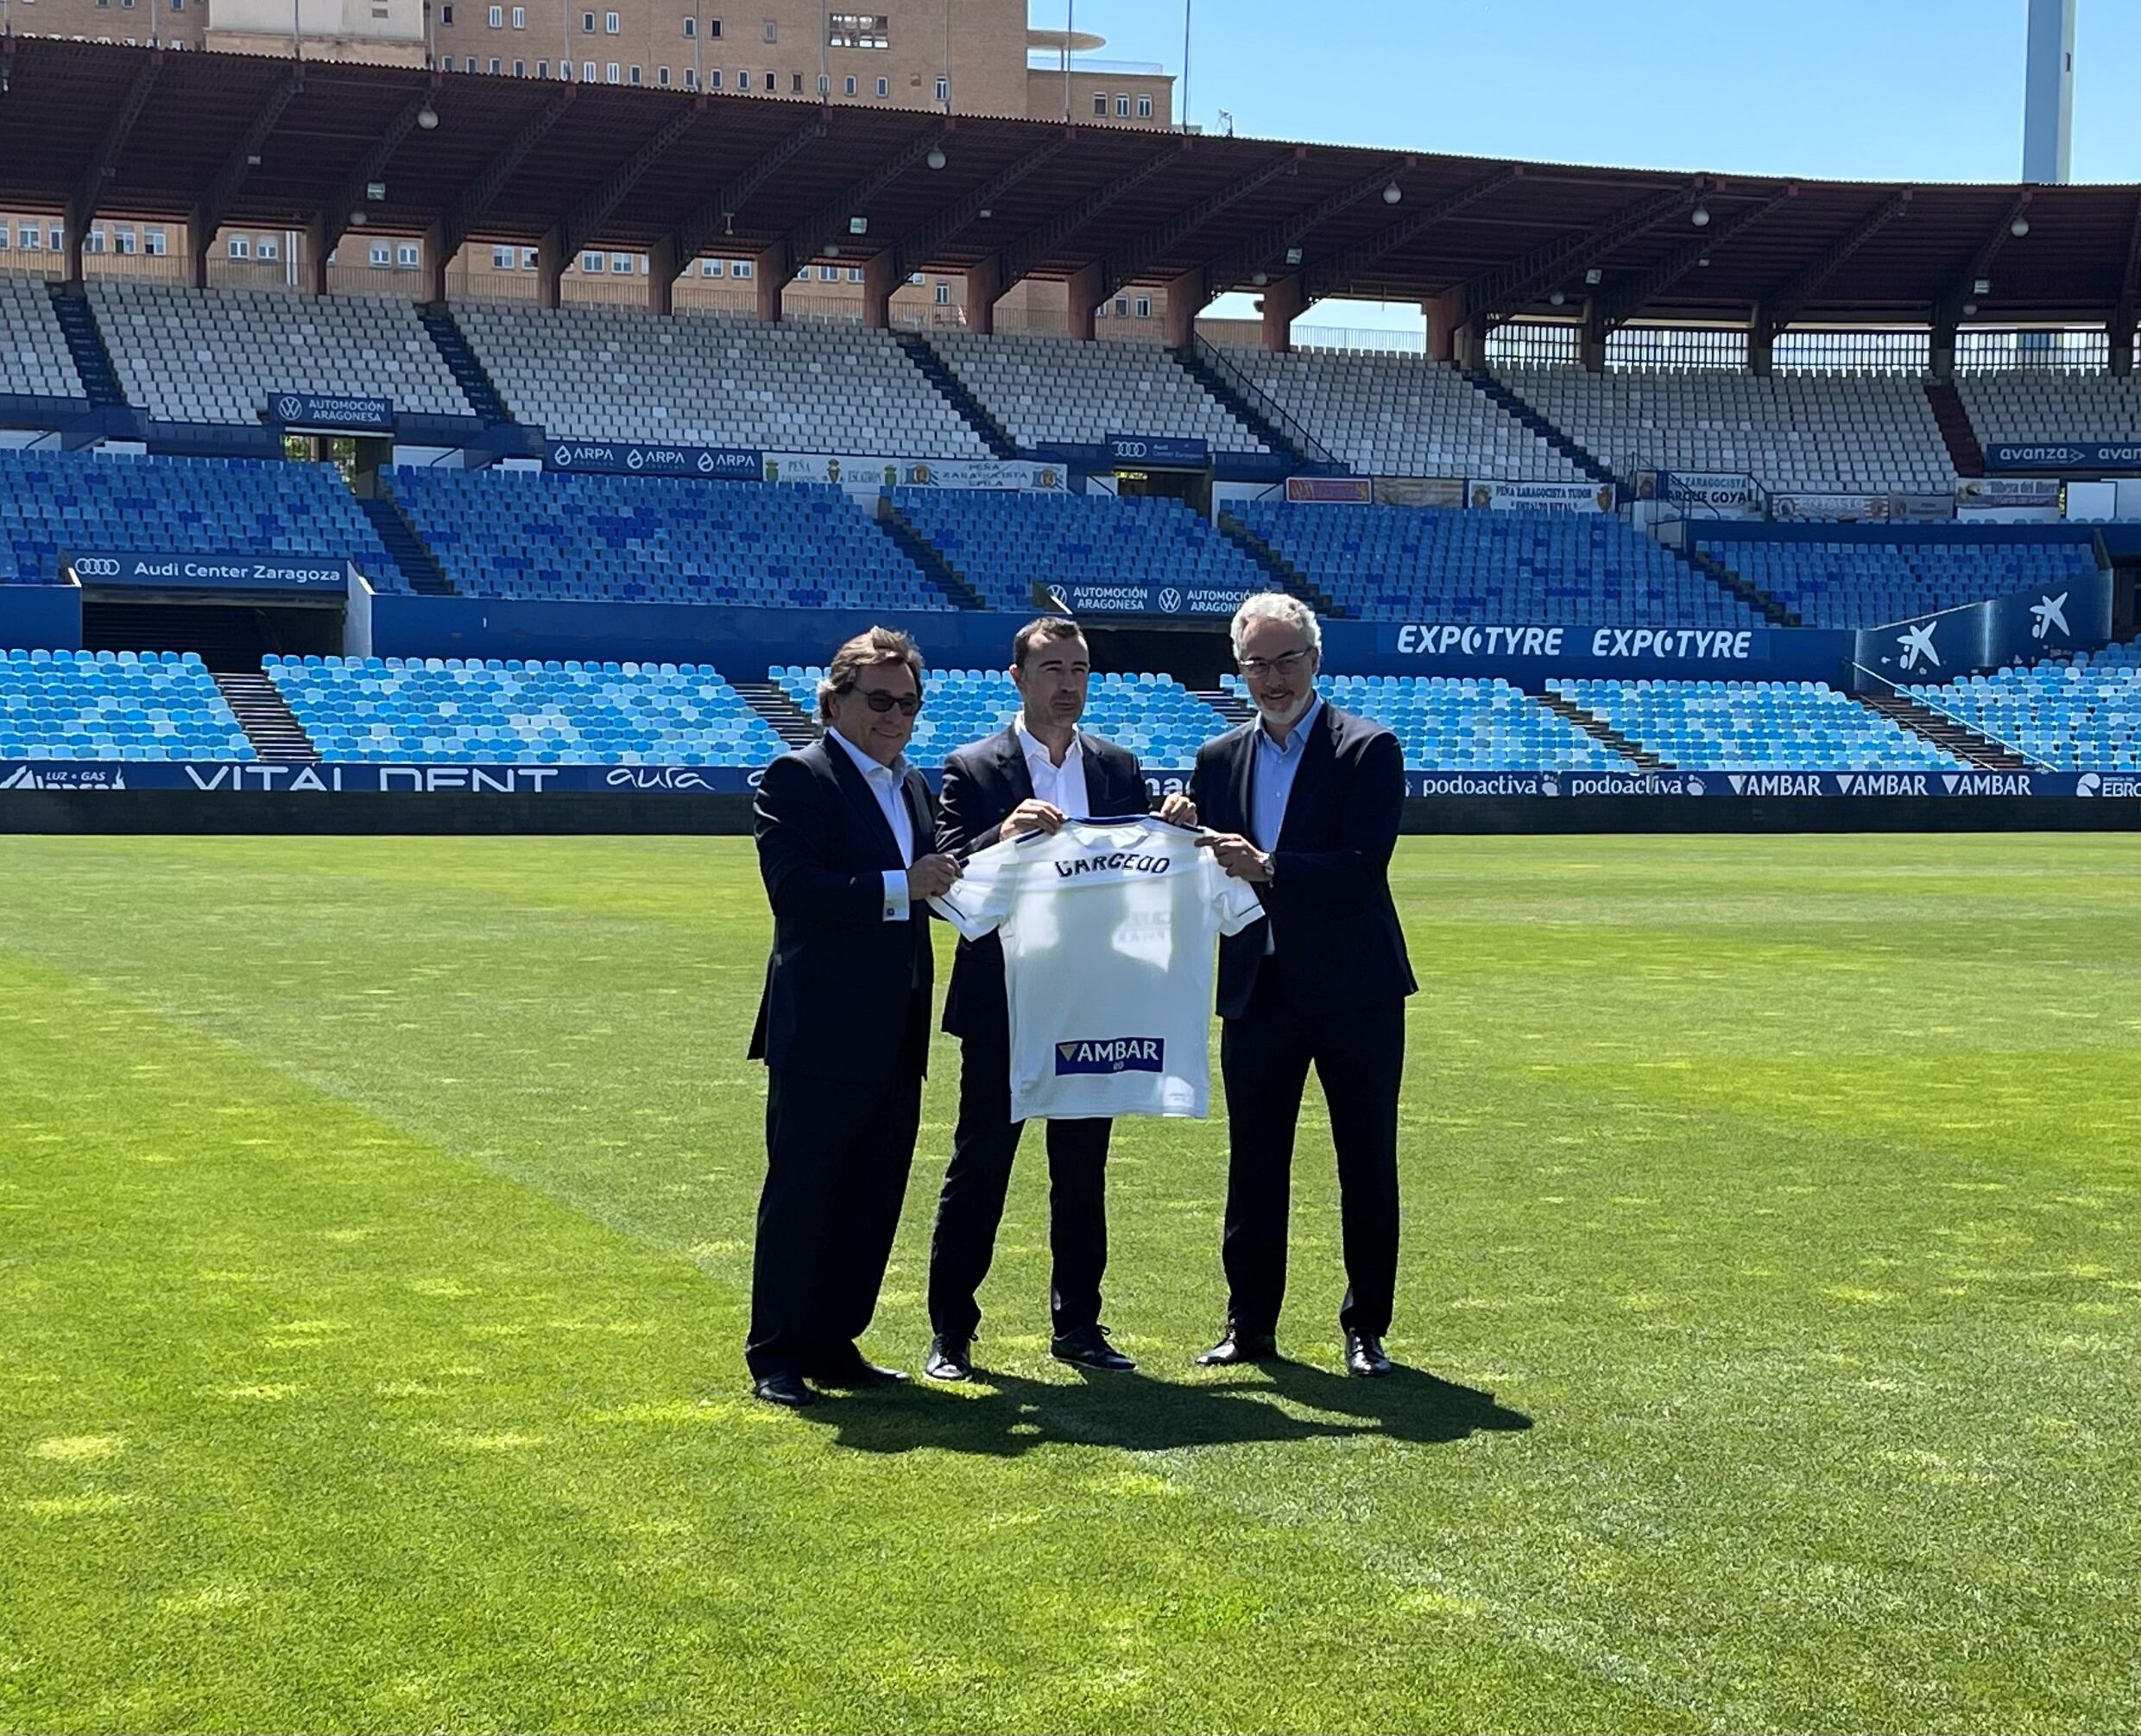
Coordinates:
[375,1242]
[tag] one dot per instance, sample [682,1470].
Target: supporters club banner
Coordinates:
[1331,490]
[2085,457]
[1542,497]
[1725,492]
[164,571]
[643,458]
[210,779]
[2007,493]
[327,413]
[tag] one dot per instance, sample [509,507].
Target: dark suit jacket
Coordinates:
[1338,941]
[841,980]
[984,782]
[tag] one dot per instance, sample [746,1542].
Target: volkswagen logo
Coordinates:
[97,566]
[1170,599]
[289,408]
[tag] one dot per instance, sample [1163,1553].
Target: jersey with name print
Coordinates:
[1109,930]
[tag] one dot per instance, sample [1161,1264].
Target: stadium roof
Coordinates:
[269,142]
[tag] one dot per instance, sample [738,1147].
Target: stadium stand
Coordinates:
[1818,433]
[51,501]
[439,710]
[1868,585]
[1754,726]
[2031,404]
[2073,717]
[114,705]
[521,534]
[1531,569]
[215,355]
[713,379]
[999,543]
[1402,416]
[34,358]
[1056,389]
[1464,725]
[1153,716]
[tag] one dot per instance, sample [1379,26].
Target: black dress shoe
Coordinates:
[1239,1347]
[783,1389]
[1088,1346]
[949,1359]
[854,1370]
[1364,1356]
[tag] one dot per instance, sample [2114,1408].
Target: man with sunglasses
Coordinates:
[844,827]
[1304,802]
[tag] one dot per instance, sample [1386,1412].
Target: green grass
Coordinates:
[375,1236]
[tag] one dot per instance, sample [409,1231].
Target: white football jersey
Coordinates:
[1109,930]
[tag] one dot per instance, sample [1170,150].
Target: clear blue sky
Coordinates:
[1872,90]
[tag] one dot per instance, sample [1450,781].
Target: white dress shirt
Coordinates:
[1062,786]
[889,785]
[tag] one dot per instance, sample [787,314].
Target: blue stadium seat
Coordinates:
[2074,716]
[1447,724]
[1850,583]
[1755,726]
[106,705]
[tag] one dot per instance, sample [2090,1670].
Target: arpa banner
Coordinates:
[1542,497]
[163,569]
[330,412]
[1158,451]
[1102,597]
[2065,457]
[642,459]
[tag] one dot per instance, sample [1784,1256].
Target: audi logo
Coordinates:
[1130,449]
[97,566]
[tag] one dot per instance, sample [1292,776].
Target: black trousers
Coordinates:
[1264,1058]
[971,1206]
[837,1162]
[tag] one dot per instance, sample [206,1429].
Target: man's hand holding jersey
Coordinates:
[1177,809]
[1032,815]
[1238,855]
[931,875]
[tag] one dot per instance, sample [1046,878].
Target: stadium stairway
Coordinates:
[1238,395]
[1289,576]
[926,555]
[1944,731]
[85,345]
[269,723]
[1503,399]
[771,701]
[1753,594]
[419,566]
[1965,452]
[476,386]
[953,391]
[1231,706]
[1600,731]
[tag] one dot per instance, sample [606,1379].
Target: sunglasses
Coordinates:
[906,703]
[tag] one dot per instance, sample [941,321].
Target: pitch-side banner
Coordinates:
[1103,599]
[852,470]
[1543,497]
[649,458]
[330,412]
[2066,458]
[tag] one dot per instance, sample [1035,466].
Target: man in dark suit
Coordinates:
[843,831]
[1305,802]
[1031,776]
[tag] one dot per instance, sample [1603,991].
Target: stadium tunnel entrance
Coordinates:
[229,637]
[1191,487]
[1196,654]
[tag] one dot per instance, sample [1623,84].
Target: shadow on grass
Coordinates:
[1005,1415]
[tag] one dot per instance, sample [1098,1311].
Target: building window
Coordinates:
[855,274]
[520,17]
[635,78]
[30,236]
[592,263]
[1122,108]
[850,87]
[824,85]
[710,268]
[884,87]
[713,79]
[1122,307]
[795,84]
[520,69]
[238,247]
[609,23]
[406,256]
[153,242]
[690,28]
[381,254]
[829,274]
[1100,105]
[620,263]
[587,23]
[661,77]
[1144,307]
[587,71]
[501,259]
[743,267]
[266,248]
[528,259]
[691,79]
[4,233]
[122,241]
[494,66]
[612,70]
[858,30]
[446,15]
[772,83]
[497,17]
[743,83]
[944,293]
[96,240]
[943,90]
[772,31]
[446,65]
[1145,108]
[713,29]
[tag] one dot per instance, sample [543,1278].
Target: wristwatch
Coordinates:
[1271,867]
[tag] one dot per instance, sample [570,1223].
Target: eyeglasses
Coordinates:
[1285,664]
[906,703]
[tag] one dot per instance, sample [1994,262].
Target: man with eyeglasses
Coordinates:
[1304,802]
[1030,777]
[844,828]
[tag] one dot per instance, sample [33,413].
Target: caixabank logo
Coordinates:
[1110,1055]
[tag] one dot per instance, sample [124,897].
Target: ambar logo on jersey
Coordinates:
[1111,1055]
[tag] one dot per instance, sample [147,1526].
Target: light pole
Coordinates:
[1185,65]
